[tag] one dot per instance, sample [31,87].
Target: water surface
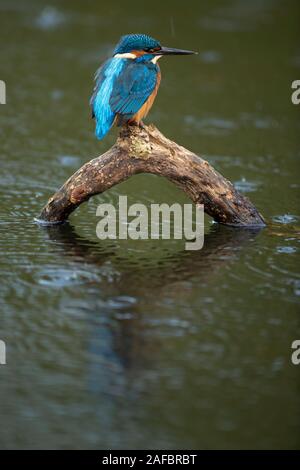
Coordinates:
[123,344]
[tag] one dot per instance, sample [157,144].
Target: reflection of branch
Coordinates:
[67,239]
[148,151]
[219,248]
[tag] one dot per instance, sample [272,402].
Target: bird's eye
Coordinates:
[152,49]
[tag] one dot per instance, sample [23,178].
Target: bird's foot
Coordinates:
[138,124]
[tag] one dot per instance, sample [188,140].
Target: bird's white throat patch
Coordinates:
[155,59]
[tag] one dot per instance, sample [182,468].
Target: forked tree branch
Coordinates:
[146,150]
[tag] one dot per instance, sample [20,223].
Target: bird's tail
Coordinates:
[103,126]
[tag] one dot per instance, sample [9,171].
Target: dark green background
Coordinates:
[142,344]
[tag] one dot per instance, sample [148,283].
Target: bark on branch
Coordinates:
[146,150]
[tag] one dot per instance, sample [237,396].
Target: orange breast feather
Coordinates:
[144,110]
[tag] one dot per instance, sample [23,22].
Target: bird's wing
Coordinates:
[133,87]
[105,79]
[100,76]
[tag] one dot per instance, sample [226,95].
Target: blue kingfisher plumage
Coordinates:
[127,84]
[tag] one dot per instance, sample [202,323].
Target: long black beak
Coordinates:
[171,51]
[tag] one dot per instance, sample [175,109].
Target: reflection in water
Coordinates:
[117,350]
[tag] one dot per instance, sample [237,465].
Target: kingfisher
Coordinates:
[126,84]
